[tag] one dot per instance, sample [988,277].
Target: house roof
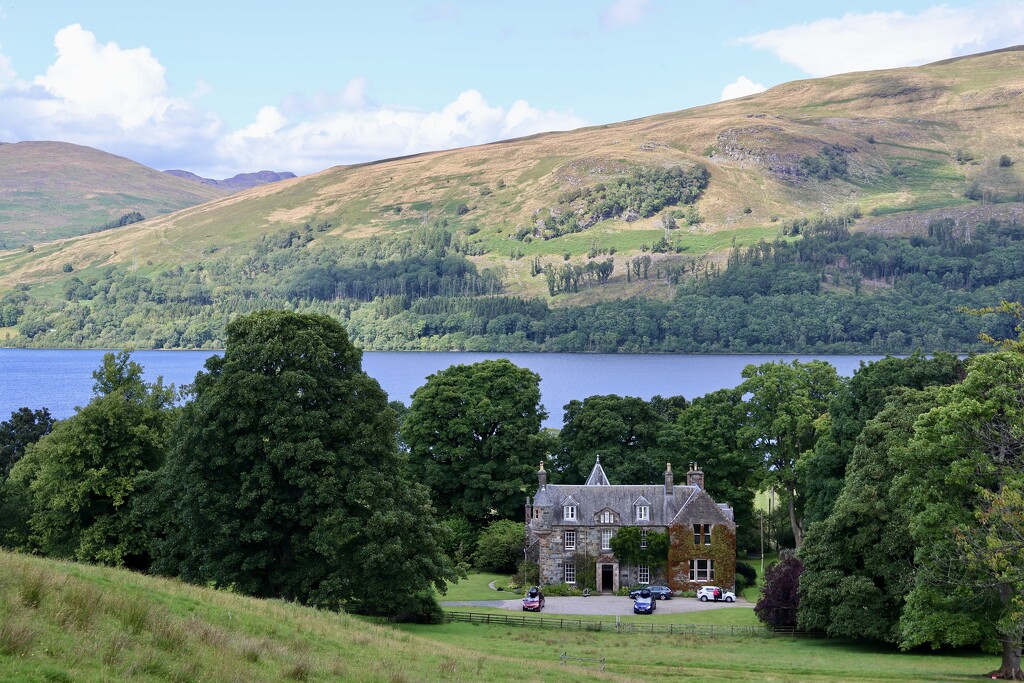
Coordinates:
[597,476]
[685,502]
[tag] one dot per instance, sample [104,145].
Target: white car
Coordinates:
[708,593]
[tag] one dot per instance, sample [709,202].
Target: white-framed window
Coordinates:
[643,538]
[606,539]
[643,513]
[607,517]
[644,574]
[570,540]
[569,572]
[702,534]
[569,512]
[702,570]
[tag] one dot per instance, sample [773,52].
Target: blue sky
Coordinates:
[220,87]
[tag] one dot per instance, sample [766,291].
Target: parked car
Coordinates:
[715,593]
[644,602]
[659,592]
[534,600]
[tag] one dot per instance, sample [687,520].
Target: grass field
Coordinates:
[66,622]
[476,587]
[727,658]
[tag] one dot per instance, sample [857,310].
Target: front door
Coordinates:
[607,578]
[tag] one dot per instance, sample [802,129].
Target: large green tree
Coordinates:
[285,479]
[629,433]
[474,437]
[823,470]
[965,465]
[859,561]
[785,402]
[82,477]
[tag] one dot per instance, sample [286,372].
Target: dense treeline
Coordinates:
[901,487]
[639,194]
[828,291]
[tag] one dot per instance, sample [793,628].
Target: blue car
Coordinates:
[644,602]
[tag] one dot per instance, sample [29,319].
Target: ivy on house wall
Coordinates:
[682,551]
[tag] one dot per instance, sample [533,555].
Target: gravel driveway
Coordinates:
[606,605]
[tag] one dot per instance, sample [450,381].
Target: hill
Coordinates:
[50,190]
[565,223]
[242,181]
[68,622]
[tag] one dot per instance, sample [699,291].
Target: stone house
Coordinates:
[568,527]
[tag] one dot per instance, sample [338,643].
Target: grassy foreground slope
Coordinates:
[912,140]
[68,622]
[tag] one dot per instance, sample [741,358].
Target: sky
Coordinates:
[220,88]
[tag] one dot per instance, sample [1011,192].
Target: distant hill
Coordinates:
[501,245]
[242,181]
[51,190]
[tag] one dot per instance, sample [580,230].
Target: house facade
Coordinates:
[569,532]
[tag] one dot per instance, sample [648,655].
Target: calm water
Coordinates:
[61,380]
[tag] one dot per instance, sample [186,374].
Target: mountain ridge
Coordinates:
[882,151]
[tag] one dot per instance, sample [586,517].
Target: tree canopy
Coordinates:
[81,477]
[785,403]
[474,437]
[284,479]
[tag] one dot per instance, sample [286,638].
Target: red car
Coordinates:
[534,600]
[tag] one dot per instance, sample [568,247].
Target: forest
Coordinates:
[825,291]
[287,473]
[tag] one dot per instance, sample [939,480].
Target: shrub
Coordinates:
[746,576]
[780,597]
[1005,161]
[500,546]
[562,589]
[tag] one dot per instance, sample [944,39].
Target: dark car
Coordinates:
[644,602]
[659,592]
[534,600]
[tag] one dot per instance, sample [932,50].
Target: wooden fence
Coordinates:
[618,626]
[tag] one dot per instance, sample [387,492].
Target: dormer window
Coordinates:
[643,513]
[607,517]
[569,512]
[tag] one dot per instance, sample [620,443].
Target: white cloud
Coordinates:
[367,133]
[741,87]
[624,13]
[118,100]
[103,96]
[881,40]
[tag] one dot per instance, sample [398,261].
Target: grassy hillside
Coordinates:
[914,139]
[67,622]
[538,218]
[55,189]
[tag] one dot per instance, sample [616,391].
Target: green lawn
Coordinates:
[720,617]
[651,657]
[476,587]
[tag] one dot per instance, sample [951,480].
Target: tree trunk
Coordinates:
[1010,669]
[798,533]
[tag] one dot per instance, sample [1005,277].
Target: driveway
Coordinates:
[606,605]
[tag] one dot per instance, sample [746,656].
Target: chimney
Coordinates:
[542,476]
[695,477]
[528,510]
[669,481]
